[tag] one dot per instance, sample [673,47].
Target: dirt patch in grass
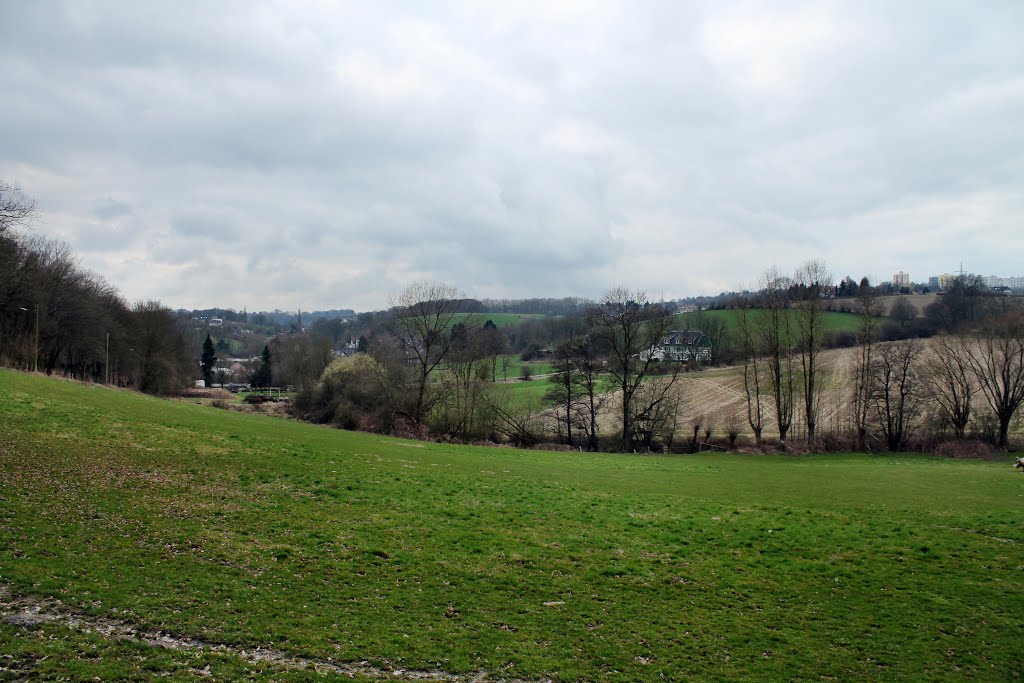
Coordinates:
[200,392]
[30,613]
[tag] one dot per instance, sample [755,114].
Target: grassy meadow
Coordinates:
[499,319]
[510,366]
[248,532]
[833,321]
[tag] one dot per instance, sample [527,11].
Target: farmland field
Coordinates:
[718,395]
[143,538]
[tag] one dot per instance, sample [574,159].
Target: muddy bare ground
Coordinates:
[30,613]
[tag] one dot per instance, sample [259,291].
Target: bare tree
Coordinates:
[564,394]
[519,423]
[732,429]
[775,329]
[696,422]
[164,361]
[752,372]
[962,305]
[589,371]
[223,375]
[814,281]
[15,208]
[709,429]
[950,383]
[715,330]
[665,419]
[656,417]
[996,358]
[421,319]
[902,311]
[867,331]
[630,327]
[897,395]
[460,410]
[300,359]
[495,343]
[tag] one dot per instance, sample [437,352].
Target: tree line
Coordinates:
[430,370]
[57,317]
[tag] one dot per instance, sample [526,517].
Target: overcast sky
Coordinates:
[325,154]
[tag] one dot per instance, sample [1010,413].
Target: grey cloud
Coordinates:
[108,208]
[217,226]
[326,155]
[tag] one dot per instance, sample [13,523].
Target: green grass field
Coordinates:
[500,319]
[528,394]
[329,547]
[834,322]
[511,367]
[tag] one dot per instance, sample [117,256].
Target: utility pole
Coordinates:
[106,363]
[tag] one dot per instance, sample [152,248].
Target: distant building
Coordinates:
[996,282]
[944,281]
[681,346]
[900,280]
[216,322]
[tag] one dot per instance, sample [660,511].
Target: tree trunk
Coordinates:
[625,423]
[420,396]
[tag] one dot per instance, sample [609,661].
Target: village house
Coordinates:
[682,346]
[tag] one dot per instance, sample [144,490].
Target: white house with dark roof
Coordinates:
[682,346]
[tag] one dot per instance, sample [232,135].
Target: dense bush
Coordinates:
[352,393]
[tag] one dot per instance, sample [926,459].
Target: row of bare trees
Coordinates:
[57,317]
[781,341]
[989,362]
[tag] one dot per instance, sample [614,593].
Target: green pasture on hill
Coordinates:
[253,532]
[500,319]
[528,394]
[833,321]
[511,367]
[507,367]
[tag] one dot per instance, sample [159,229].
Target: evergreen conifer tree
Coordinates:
[208,360]
[264,374]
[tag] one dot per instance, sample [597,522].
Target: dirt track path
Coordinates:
[29,613]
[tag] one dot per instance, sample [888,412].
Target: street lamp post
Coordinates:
[35,358]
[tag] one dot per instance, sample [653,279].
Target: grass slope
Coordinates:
[500,319]
[833,321]
[255,532]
